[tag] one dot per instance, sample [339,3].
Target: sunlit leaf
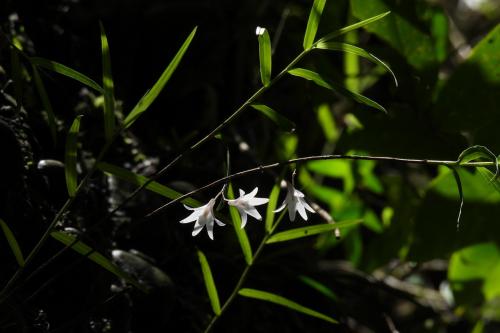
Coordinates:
[280,300]
[271,206]
[477,152]
[14,246]
[107,82]
[313,23]
[209,283]
[283,122]
[70,157]
[265,56]
[240,232]
[151,94]
[51,118]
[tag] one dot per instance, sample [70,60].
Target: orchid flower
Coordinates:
[246,205]
[295,202]
[204,216]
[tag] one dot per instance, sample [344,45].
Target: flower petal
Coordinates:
[242,193]
[253,193]
[292,209]
[302,210]
[309,208]
[189,208]
[283,205]
[192,217]
[254,213]
[220,223]
[258,201]
[210,228]
[244,218]
[198,226]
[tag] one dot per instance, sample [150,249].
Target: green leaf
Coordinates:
[313,23]
[310,231]
[345,47]
[209,283]
[320,287]
[14,246]
[460,193]
[151,94]
[66,71]
[85,250]
[17,76]
[139,180]
[473,262]
[477,152]
[490,177]
[265,58]
[70,157]
[327,123]
[316,78]
[51,118]
[107,82]
[271,207]
[283,122]
[354,26]
[276,299]
[238,228]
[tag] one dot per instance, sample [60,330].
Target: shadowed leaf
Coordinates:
[70,157]
[14,246]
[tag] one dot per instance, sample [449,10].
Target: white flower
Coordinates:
[296,203]
[204,216]
[245,205]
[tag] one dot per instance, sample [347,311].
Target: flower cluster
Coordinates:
[245,203]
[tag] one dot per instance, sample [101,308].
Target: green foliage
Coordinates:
[240,232]
[264,55]
[107,83]
[284,123]
[14,246]
[70,156]
[313,23]
[209,283]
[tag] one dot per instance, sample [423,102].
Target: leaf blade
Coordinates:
[265,56]
[271,207]
[280,120]
[13,244]
[44,97]
[240,232]
[313,23]
[108,84]
[476,152]
[209,283]
[70,156]
[460,193]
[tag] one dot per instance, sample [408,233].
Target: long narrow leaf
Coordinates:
[320,287]
[283,122]
[490,176]
[310,231]
[280,300]
[151,95]
[209,283]
[345,47]
[107,82]
[353,27]
[477,152]
[316,78]
[51,118]
[240,232]
[460,193]
[139,180]
[66,71]
[264,55]
[313,23]
[70,157]
[271,206]
[85,250]
[14,246]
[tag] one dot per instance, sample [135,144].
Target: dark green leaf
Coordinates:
[276,299]
[51,118]
[139,180]
[107,82]
[151,94]
[316,78]
[66,71]
[283,122]
[490,177]
[460,193]
[264,55]
[271,207]
[477,152]
[209,283]
[70,157]
[309,231]
[313,23]
[320,287]
[14,246]
[240,232]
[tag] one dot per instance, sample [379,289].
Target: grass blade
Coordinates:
[70,157]
[209,283]
[85,250]
[353,27]
[309,231]
[51,118]
[240,232]
[313,23]
[66,71]
[283,122]
[276,299]
[151,95]
[107,82]
[264,55]
[271,207]
[139,180]
[14,246]
[345,47]
[316,78]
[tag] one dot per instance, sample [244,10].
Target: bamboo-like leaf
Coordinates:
[313,23]
[320,287]
[280,300]
[85,250]
[461,194]
[310,231]
[354,26]
[283,122]
[151,94]
[345,47]
[271,206]
[240,232]
[107,82]
[139,180]
[209,283]
[265,58]
[477,152]
[316,78]
[490,176]
[14,246]
[51,118]
[66,71]
[70,157]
